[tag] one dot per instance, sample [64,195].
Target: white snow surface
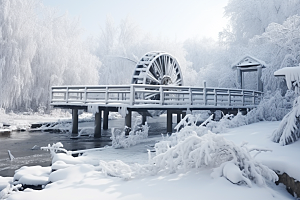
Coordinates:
[83,177]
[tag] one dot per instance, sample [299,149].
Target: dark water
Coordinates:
[20,144]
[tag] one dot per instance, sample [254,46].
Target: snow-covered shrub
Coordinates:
[212,150]
[227,121]
[289,128]
[190,128]
[136,136]
[273,107]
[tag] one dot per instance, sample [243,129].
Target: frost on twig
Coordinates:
[55,148]
[11,157]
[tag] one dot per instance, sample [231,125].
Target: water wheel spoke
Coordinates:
[152,78]
[158,68]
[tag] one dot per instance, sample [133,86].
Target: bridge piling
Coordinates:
[169,121]
[97,129]
[128,121]
[144,119]
[74,121]
[105,118]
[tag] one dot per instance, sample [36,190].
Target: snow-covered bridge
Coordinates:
[141,98]
[156,85]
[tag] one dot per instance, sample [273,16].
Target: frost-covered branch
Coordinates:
[289,128]
[55,148]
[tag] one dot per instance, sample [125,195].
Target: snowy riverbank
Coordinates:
[82,178]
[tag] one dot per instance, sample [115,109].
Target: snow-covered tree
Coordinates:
[251,17]
[39,49]
[279,46]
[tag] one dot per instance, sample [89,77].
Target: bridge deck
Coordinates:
[151,97]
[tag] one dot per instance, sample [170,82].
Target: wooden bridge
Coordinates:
[144,97]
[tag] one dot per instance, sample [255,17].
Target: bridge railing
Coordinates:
[138,94]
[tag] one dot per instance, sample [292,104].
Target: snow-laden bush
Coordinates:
[189,128]
[273,107]
[212,150]
[289,128]
[227,121]
[136,135]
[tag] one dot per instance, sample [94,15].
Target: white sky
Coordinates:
[175,19]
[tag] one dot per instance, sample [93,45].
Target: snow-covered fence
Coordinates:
[161,95]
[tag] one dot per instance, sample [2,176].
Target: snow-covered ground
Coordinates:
[96,174]
[22,121]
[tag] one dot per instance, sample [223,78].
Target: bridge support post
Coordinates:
[178,117]
[128,121]
[105,118]
[169,121]
[97,129]
[74,121]
[183,114]
[144,119]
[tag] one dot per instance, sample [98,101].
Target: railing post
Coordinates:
[216,99]
[132,96]
[106,94]
[191,96]
[204,92]
[243,99]
[229,98]
[161,95]
[67,95]
[85,97]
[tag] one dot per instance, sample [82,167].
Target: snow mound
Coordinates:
[60,165]
[35,175]
[74,173]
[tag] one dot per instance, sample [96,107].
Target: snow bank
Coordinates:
[195,157]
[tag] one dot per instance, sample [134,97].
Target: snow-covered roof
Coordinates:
[248,61]
[291,74]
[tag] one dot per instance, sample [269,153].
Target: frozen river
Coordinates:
[21,143]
